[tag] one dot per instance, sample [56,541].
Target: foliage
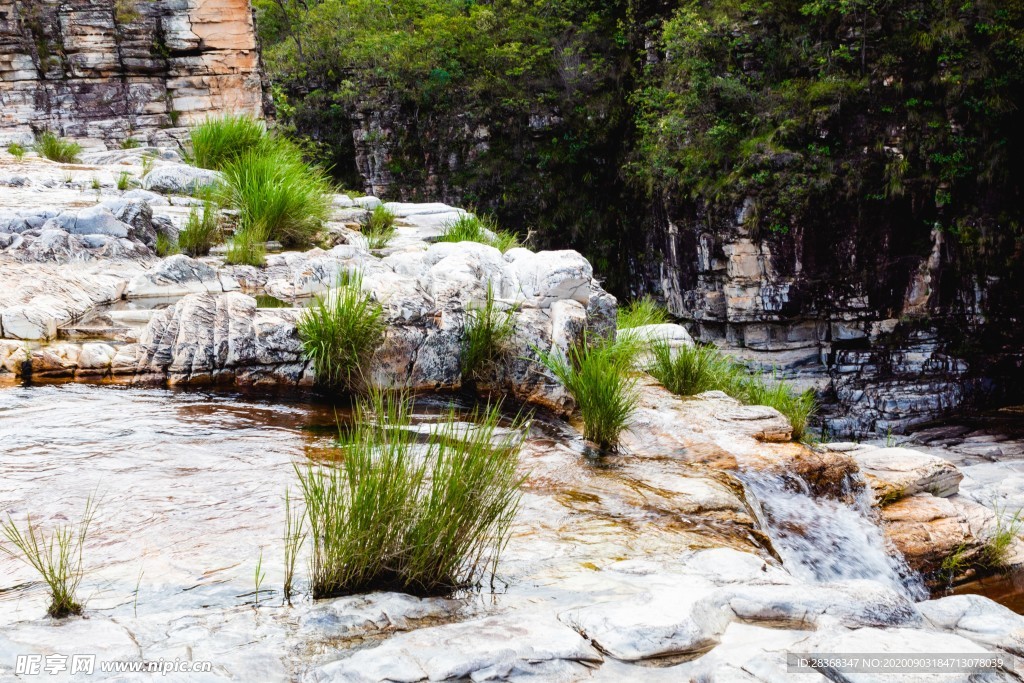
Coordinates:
[124,179]
[16,150]
[247,248]
[57,149]
[130,143]
[379,227]
[202,229]
[485,230]
[165,246]
[486,337]
[396,514]
[999,545]
[640,312]
[294,537]
[219,140]
[598,373]
[277,194]
[340,331]
[57,557]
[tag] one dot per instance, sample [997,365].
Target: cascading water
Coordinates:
[822,539]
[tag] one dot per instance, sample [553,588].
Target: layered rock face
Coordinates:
[108,69]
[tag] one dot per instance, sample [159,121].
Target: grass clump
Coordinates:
[486,337]
[294,537]
[277,194]
[57,557]
[165,246]
[130,143]
[146,162]
[17,150]
[124,180]
[218,141]
[999,544]
[57,149]
[485,230]
[693,370]
[379,227]
[398,514]
[640,312]
[247,247]
[201,231]
[600,378]
[340,332]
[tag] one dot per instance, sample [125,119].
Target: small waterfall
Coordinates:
[822,539]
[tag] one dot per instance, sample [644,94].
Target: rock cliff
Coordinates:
[111,69]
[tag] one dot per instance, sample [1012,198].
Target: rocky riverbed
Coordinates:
[708,549]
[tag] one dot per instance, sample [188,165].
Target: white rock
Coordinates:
[978,618]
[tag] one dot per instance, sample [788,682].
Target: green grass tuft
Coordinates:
[202,230]
[57,149]
[398,514]
[248,248]
[485,230]
[379,227]
[16,150]
[130,143]
[642,311]
[218,141]
[999,544]
[124,180]
[294,537]
[57,557]
[486,337]
[340,332]
[165,246]
[600,377]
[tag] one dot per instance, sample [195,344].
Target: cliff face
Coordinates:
[108,69]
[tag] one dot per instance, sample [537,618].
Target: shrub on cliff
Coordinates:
[599,376]
[277,194]
[397,514]
[57,149]
[217,141]
[340,332]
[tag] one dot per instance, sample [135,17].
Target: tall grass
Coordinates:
[202,229]
[486,337]
[57,557]
[277,194]
[599,376]
[217,141]
[485,230]
[165,246]
[247,247]
[124,180]
[16,150]
[695,369]
[294,537]
[999,544]
[379,227]
[642,311]
[340,332]
[397,514]
[57,149]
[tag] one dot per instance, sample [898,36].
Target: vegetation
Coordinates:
[340,332]
[16,150]
[598,373]
[471,228]
[247,248]
[692,370]
[396,514]
[218,141]
[640,312]
[165,246]
[486,340]
[147,164]
[130,143]
[57,557]
[95,184]
[294,537]
[202,229]
[124,180]
[379,227]
[57,149]
[999,544]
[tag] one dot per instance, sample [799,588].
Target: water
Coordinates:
[821,539]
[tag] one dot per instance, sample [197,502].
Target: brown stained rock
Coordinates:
[928,530]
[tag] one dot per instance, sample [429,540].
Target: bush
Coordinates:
[340,332]
[486,337]
[379,227]
[202,230]
[471,228]
[600,378]
[248,247]
[218,141]
[396,514]
[57,149]
[692,370]
[57,557]
[642,311]
[277,194]
[16,150]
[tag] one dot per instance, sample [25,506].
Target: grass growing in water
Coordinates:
[57,149]
[340,332]
[379,227]
[247,247]
[600,377]
[57,557]
[485,339]
[16,150]
[397,514]
[642,311]
[217,141]
[695,369]
[485,230]
[202,230]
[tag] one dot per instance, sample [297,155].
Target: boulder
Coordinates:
[180,179]
[895,473]
[178,275]
[979,619]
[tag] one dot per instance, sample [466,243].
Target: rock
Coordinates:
[29,321]
[928,529]
[178,275]
[514,646]
[362,615]
[95,358]
[674,335]
[895,473]
[137,214]
[367,202]
[180,179]
[762,422]
[979,619]
[13,356]
[551,275]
